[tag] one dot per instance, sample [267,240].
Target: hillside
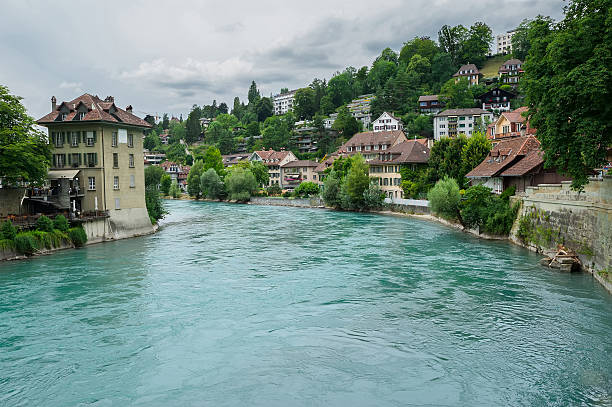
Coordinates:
[492,65]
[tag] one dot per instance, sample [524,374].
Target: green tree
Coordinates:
[457,95]
[193,128]
[331,190]
[44,224]
[193,179]
[304,104]
[165,184]
[213,159]
[240,184]
[175,190]
[357,181]
[444,198]
[381,71]
[373,196]
[476,47]
[345,123]
[276,132]
[211,185]
[177,131]
[264,108]
[152,142]
[260,171]
[8,231]
[165,121]
[568,83]
[442,68]
[475,206]
[421,126]
[474,152]
[176,153]
[153,175]
[253,94]
[339,90]
[155,208]
[307,188]
[451,40]
[422,46]
[61,223]
[24,153]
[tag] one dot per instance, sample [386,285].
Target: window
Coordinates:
[115,182]
[131,160]
[117,202]
[132,181]
[60,160]
[76,159]
[91,181]
[115,160]
[75,139]
[59,139]
[91,138]
[64,116]
[130,140]
[114,139]
[92,159]
[81,115]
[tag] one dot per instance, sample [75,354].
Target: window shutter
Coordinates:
[94,137]
[69,159]
[53,137]
[63,138]
[54,160]
[80,162]
[95,154]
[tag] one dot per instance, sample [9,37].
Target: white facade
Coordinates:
[503,43]
[327,123]
[284,102]
[360,109]
[451,123]
[386,122]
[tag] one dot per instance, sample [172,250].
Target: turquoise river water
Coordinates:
[232,305]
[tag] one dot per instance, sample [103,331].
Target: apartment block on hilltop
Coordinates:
[453,122]
[360,109]
[503,43]
[470,72]
[98,157]
[283,102]
[386,168]
[387,122]
[273,160]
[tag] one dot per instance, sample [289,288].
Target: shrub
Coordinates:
[357,182]
[165,184]
[240,184]
[58,237]
[274,190]
[501,218]
[508,193]
[8,231]
[25,243]
[373,197]
[444,198]
[476,206]
[42,238]
[44,224]
[307,188]
[155,208]
[78,236]
[331,190]
[61,223]
[287,194]
[7,244]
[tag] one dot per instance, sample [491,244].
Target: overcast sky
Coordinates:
[166,56]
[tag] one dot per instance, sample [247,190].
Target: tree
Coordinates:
[421,126]
[260,171]
[476,47]
[264,108]
[165,184]
[339,90]
[211,185]
[474,152]
[176,153]
[165,121]
[193,128]
[373,196]
[25,155]
[345,123]
[155,208]
[304,104]
[520,39]
[382,70]
[152,141]
[388,55]
[568,83]
[284,90]
[223,109]
[444,198]
[240,184]
[451,40]
[193,179]
[357,181]
[253,95]
[276,132]
[177,131]
[213,159]
[442,68]
[457,95]
[423,46]
[331,190]
[153,175]
[175,190]
[306,189]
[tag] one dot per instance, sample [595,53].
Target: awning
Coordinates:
[57,174]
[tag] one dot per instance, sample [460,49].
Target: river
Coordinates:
[231,305]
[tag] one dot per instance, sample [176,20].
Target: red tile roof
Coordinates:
[527,164]
[505,155]
[271,157]
[410,151]
[300,163]
[96,110]
[371,138]
[466,69]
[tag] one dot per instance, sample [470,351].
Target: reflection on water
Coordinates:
[252,305]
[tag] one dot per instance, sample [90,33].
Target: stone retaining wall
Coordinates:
[297,202]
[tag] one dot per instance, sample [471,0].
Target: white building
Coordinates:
[327,123]
[360,109]
[153,158]
[503,43]
[387,121]
[453,122]
[283,102]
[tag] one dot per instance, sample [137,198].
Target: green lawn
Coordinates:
[492,65]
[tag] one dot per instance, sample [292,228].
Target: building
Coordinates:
[386,168]
[511,125]
[387,122]
[329,122]
[514,162]
[273,160]
[510,72]
[153,158]
[232,159]
[371,143]
[470,72]
[503,43]
[452,122]
[304,139]
[283,102]
[178,173]
[360,109]
[164,137]
[496,99]
[98,157]
[293,173]
[430,104]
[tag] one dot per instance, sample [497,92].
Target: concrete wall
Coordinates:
[411,206]
[298,202]
[10,201]
[553,214]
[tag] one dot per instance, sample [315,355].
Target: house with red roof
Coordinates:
[512,124]
[470,72]
[273,160]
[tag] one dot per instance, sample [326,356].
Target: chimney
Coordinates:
[53,103]
[129,109]
[109,99]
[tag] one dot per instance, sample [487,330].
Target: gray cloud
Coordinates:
[159,58]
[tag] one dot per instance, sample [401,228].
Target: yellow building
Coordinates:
[98,157]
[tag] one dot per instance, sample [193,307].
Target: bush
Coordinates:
[444,198]
[44,224]
[476,206]
[155,208]
[78,236]
[42,238]
[7,244]
[501,218]
[373,197]
[274,190]
[8,231]
[306,189]
[25,243]
[331,190]
[240,184]
[287,194]
[61,223]
[505,196]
